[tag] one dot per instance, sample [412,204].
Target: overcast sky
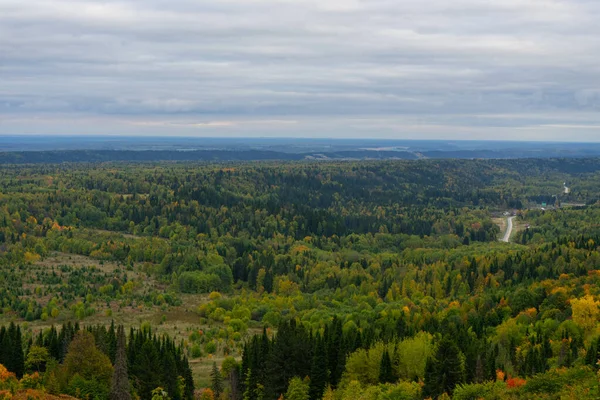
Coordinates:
[460,69]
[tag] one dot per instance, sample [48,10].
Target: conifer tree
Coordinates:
[444,371]
[386,373]
[430,387]
[120,381]
[216,381]
[112,340]
[318,370]
[335,352]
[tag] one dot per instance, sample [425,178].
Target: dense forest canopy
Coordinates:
[307,280]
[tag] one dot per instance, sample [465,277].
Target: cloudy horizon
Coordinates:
[404,69]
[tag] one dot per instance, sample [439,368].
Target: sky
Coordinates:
[406,69]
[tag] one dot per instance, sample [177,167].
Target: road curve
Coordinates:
[509,228]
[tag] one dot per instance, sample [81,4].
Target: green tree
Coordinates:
[216,381]
[318,370]
[37,357]
[386,372]
[297,390]
[120,380]
[84,359]
[445,370]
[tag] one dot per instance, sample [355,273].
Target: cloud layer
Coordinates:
[470,69]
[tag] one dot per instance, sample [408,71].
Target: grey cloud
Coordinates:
[386,68]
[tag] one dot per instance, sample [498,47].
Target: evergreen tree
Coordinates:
[120,381]
[216,381]
[11,349]
[386,372]
[444,371]
[148,375]
[430,388]
[111,339]
[335,352]
[318,370]
[593,353]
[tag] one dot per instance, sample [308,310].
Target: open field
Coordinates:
[130,310]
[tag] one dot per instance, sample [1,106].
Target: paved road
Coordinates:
[509,228]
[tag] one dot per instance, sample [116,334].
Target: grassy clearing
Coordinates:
[128,309]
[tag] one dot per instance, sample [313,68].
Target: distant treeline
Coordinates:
[37,157]
[95,156]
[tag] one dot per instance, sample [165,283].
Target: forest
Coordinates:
[300,280]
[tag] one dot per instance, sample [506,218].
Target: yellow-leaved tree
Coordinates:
[586,312]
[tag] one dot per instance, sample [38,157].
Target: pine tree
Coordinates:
[593,352]
[111,339]
[11,350]
[386,372]
[120,381]
[318,370]
[444,371]
[216,381]
[430,387]
[335,351]
[148,373]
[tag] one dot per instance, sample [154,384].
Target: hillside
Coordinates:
[335,280]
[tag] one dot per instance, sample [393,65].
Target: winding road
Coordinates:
[509,228]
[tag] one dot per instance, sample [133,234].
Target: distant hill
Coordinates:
[37,157]
[53,149]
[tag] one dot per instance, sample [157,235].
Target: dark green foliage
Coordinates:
[393,248]
[592,355]
[445,370]
[120,389]
[318,370]
[216,381]
[386,372]
[148,361]
[11,349]
[336,352]
[290,355]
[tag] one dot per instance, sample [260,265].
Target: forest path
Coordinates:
[509,228]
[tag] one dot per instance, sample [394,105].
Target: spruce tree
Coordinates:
[111,339]
[318,370]
[444,371]
[592,353]
[335,351]
[120,382]
[430,387]
[216,381]
[16,358]
[386,372]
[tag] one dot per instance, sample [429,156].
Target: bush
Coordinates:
[237,325]
[210,347]
[195,351]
